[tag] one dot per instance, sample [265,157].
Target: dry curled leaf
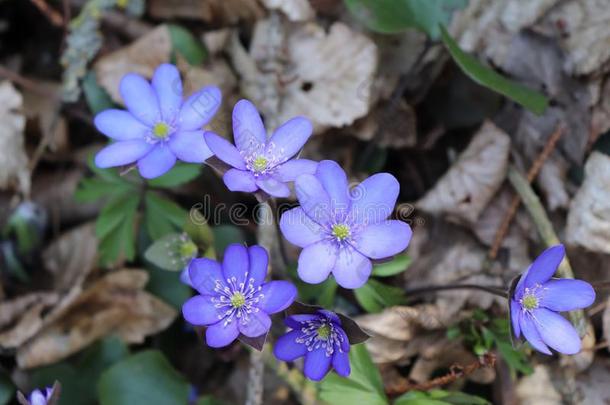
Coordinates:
[396,130]
[13,160]
[464,191]
[213,11]
[589,215]
[305,70]
[22,317]
[45,112]
[115,304]
[295,10]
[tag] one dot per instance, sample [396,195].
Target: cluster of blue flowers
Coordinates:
[340,229]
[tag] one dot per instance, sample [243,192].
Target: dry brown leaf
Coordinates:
[45,111]
[305,70]
[13,160]
[397,130]
[213,11]
[295,10]
[589,215]
[115,304]
[72,256]
[21,318]
[471,182]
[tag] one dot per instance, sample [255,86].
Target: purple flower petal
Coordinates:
[383,239]
[121,153]
[352,269]
[531,334]
[287,349]
[567,295]
[373,200]
[185,277]
[204,273]
[299,229]
[200,310]
[292,169]
[258,324]
[334,180]
[120,125]
[140,98]
[239,180]
[515,311]
[199,108]
[277,296]
[316,261]
[314,200]
[248,129]
[168,86]
[544,266]
[235,263]
[259,261]
[556,332]
[289,138]
[157,162]
[38,398]
[273,187]
[189,146]
[344,338]
[317,364]
[221,335]
[224,150]
[341,363]
[294,321]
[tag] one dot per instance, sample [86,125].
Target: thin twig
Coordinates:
[516,201]
[499,291]
[52,15]
[455,372]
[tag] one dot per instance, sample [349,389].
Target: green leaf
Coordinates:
[111,175]
[180,174]
[115,228]
[439,397]
[185,44]
[392,16]
[78,377]
[172,252]
[528,98]
[375,296]
[143,378]
[7,388]
[167,286]
[95,188]
[224,235]
[363,386]
[162,216]
[321,294]
[97,98]
[397,265]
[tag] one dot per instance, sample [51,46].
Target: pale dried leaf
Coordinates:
[589,215]
[13,160]
[21,318]
[592,385]
[295,10]
[538,388]
[464,191]
[72,256]
[213,11]
[116,304]
[45,111]
[304,70]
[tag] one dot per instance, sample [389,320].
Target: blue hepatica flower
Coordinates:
[234,297]
[537,300]
[40,397]
[340,230]
[157,127]
[320,339]
[258,163]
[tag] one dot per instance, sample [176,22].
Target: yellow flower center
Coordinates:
[161,130]
[324,332]
[529,302]
[238,300]
[260,163]
[341,231]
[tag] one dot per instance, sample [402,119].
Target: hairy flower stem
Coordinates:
[547,234]
[499,291]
